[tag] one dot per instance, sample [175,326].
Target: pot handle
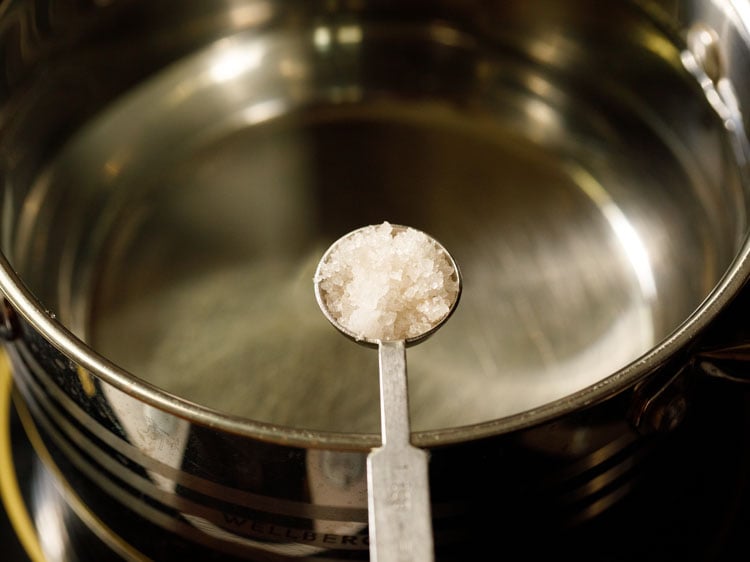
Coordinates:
[730,363]
[724,350]
[8,321]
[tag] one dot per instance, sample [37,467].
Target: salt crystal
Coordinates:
[385,283]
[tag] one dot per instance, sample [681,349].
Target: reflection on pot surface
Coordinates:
[589,215]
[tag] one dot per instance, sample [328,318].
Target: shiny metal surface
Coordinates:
[591,217]
[398,499]
[163,203]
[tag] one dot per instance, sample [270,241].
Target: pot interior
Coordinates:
[565,157]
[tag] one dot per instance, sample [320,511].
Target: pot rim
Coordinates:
[24,303]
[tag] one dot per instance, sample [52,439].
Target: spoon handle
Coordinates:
[397,473]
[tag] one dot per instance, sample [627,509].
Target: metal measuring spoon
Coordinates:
[400,518]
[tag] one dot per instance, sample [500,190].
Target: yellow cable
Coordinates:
[94,524]
[9,490]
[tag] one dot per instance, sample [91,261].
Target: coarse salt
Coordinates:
[385,283]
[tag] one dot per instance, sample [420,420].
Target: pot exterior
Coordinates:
[152,485]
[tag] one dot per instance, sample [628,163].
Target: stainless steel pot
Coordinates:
[173,171]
